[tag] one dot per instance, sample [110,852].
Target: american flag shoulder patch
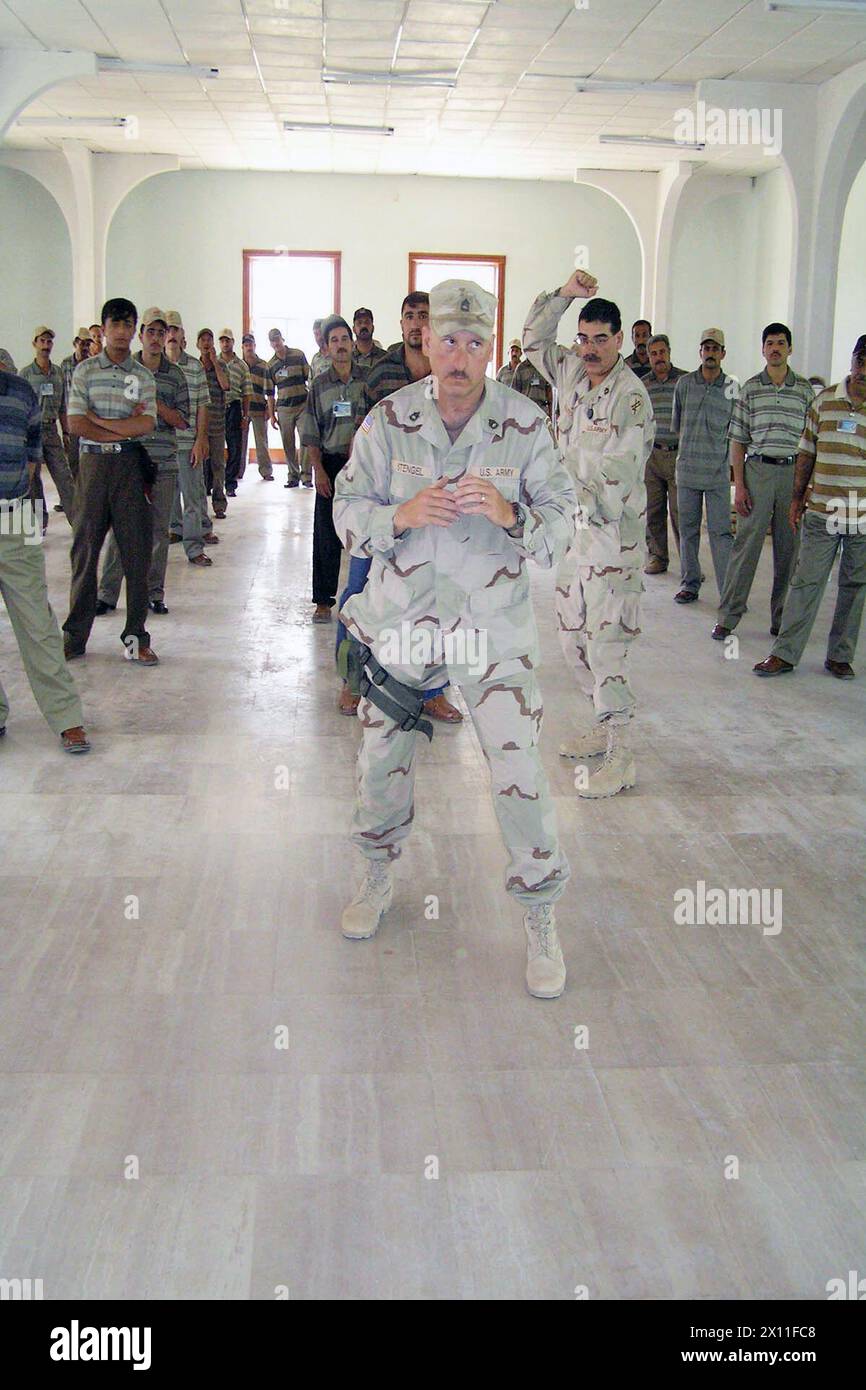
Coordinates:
[367,425]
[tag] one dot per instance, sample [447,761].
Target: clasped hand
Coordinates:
[471,496]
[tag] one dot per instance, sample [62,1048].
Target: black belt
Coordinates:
[666,448]
[402,703]
[86,447]
[770,458]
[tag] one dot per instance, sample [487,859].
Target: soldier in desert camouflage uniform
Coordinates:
[453,484]
[606,430]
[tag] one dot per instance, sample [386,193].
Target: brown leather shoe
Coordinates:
[211,539]
[655,566]
[75,740]
[842,670]
[349,703]
[442,709]
[174,540]
[203,561]
[145,656]
[773,666]
[719,633]
[322,613]
[685,596]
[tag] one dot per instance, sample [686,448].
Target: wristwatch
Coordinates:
[517,529]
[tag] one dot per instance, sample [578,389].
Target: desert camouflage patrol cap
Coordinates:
[461,306]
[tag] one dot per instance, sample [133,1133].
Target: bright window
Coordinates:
[288,290]
[427,269]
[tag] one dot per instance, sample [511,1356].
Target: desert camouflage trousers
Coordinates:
[598,613]
[506,710]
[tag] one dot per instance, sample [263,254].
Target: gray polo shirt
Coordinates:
[701,417]
[769,419]
[50,389]
[171,390]
[111,390]
[199,395]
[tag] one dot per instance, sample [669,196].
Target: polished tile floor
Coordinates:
[207,1093]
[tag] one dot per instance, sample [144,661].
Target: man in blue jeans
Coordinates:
[401,366]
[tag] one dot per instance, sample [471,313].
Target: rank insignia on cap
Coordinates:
[464,306]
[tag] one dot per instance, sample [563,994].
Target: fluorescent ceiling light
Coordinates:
[170,69]
[116,121]
[336,76]
[855,7]
[600,84]
[649,140]
[335,128]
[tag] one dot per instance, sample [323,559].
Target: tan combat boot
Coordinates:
[617,772]
[370,903]
[545,967]
[585,745]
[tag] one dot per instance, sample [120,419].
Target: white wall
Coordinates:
[772,231]
[850,319]
[36,257]
[177,239]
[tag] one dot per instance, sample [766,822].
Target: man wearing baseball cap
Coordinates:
[367,352]
[190,521]
[701,416]
[48,382]
[453,484]
[173,413]
[506,372]
[238,399]
[81,344]
[830,500]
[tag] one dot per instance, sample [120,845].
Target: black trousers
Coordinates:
[110,494]
[233,444]
[327,546]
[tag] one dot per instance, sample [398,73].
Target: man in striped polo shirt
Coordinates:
[660,474]
[112,404]
[701,416]
[766,425]
[406,362]
[289,371]
[22,568]
[832,457]
[261,410]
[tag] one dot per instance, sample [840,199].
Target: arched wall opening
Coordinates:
[36,250]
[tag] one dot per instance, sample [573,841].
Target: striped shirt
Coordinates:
[262,385]
[641,369]
[529,382]
[171,391]
[334,411]
[50,388]
[320,363]
[20,435]
[217,403]
[111,390]
[6,360]
[769,419]
[389,375]
[835,436]
[67,367]
[199,395]
[238,373]
[701,416]
[366,363]
[505,375]
[289,375]
[661,394]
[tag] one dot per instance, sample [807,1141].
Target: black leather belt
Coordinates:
[770,458]
[666,448]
